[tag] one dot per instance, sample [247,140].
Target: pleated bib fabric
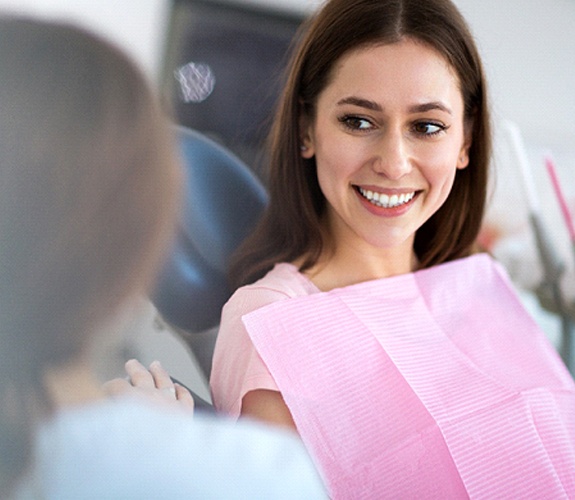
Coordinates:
[434,384]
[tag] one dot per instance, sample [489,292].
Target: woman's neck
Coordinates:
[347,266]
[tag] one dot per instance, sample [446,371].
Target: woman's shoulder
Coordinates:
[284,279]
[283,282]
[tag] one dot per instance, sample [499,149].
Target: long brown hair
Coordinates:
[88,197]
[291,227]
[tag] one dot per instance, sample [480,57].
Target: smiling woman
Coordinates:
[363,319]
[294,228]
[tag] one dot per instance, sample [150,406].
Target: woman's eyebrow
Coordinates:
[430,106]
[374,106]
[362,103]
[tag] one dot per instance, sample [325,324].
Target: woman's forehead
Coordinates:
[402,71]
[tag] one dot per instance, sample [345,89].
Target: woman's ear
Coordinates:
[306,143]
[463,159]
[306,149]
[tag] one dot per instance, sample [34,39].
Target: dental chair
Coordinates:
[223,201]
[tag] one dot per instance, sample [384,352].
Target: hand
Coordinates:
[154,384]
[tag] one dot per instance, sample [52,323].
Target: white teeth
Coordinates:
[385,201]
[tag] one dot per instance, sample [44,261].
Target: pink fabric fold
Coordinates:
[435,384]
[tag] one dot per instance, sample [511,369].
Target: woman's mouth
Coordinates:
[385,200]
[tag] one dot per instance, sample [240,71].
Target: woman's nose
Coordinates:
[393,159]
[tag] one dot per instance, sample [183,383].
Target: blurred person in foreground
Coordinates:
[89,194]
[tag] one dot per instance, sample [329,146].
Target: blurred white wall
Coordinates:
[529,50]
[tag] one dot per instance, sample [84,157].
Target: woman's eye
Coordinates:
[429,128]
[356,123]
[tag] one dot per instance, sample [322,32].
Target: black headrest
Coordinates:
[223,201]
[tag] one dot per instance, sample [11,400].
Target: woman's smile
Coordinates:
[385,202]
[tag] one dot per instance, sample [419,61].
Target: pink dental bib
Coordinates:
[435,384]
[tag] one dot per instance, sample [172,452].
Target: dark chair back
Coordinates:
[223,201]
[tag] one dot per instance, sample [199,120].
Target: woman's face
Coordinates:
[388,137]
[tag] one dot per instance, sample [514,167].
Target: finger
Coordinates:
[168,392]
[139,376]
[161,377]
[116,386]
[184,397]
